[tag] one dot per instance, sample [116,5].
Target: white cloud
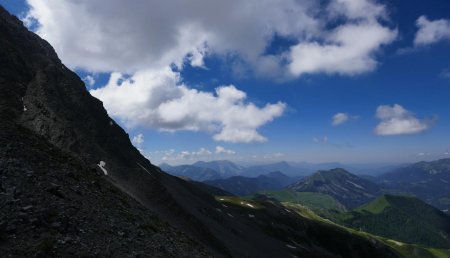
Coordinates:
[158,99]
[138,140]
[89,80]
[339,119]
[111,35]
[431,31]
[342,53]
[222,150]
[396,120]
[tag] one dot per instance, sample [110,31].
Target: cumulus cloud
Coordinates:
[104,36]
[158,99]
[222,150]
[342,53]
[396,120]
[431,31]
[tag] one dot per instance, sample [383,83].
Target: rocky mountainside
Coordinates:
[350,190]
[72,184]
[54,205]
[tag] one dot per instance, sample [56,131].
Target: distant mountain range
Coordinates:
[222,169]
[242,186]
[430,181]
[406,219]
[192,172]
[350,190]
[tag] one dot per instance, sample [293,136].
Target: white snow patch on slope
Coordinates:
[102,165]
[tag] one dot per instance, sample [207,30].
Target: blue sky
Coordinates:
[390,56]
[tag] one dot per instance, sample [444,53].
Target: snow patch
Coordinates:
[230,215]
[291,246]
[251,215]
[249,205]
[219,210]
[102,165]
[111,123]
[24,108]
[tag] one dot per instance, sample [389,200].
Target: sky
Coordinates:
[350,81]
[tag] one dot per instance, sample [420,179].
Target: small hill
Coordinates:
[350,190]
[242,186]
[403,218]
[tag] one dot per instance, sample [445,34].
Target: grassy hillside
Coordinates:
[401,249]
[402,218]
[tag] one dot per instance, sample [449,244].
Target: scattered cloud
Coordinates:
[431,31]
[396,120]
[158,99]
[89,80]
[222,150]
[341,118]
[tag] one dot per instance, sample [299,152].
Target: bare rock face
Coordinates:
[72,184]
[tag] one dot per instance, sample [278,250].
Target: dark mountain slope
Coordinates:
[350,190]
[402,218]
[240,185]
[41,98]
[53,205]
[428,180]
